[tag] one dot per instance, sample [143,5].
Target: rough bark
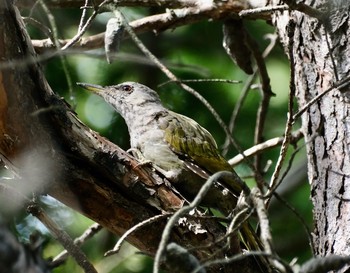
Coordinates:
[325,123]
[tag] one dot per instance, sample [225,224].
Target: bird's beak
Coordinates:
[91,87]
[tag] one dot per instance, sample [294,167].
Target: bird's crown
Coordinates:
[131,93]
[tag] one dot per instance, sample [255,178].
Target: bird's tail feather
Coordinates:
[253,243]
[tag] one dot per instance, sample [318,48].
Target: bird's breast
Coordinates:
[150,142]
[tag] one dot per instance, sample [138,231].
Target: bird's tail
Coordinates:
[253,243]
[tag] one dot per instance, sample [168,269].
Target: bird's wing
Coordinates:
[198,149]
[192,142]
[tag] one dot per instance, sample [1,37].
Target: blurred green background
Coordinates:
[191,52]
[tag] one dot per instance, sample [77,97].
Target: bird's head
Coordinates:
[126,97]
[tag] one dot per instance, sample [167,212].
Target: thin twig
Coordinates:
[83,15]
[330,52]
[54,229]
[244,92]
[88,233]
[84,27]
[304,9]
[248,12]
[233,228]
[148,221]
[63,59]
[289,166]
[158,23]
[264,104]
[266,145]
[240,218]
[301,220]
[201,80]
[237,221]
[237,108]
[238,257]
[338,85]
[265,234]
[176,216]
[289,123]
[283,201]
[62,237]
[46,30]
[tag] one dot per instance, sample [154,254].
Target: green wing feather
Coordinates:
[190,140]
[197,146]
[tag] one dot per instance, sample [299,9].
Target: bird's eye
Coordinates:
[127,88]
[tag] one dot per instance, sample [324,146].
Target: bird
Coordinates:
[181,149]
[184,152]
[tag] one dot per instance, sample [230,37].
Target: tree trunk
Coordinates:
[325,123]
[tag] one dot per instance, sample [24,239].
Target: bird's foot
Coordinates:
[139,156]
[171,175]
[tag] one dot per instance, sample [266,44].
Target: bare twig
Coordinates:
[201,80]
[83,15]
[89,233]
[176,216]
[56,232]
[329,263]
[118,245]
[266,96]
[237,108]
[52,22]
[304,9]
[292,209]
[269,144]
[240,218]
[338,85]
[330,52]
[84,27]
[300,218]
[289,123]
[248,12]
[62,237]
[289,166]
[244,92]
[265,234]
[45,30]
[63,60]
[238,257]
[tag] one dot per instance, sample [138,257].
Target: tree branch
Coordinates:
[158,23]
